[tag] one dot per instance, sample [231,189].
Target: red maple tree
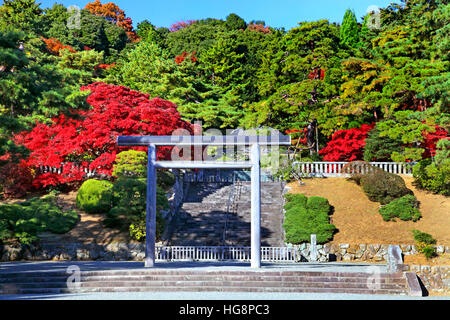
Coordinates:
[90,142]
[347,144]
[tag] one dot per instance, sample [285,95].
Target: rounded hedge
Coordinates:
[381,186]
[95,196]
[295,200]
[318,204]
[129,207]
[404,208]
[305,216]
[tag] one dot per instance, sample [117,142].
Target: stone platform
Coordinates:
[87,277]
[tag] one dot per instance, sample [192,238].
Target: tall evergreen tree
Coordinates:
[349,30]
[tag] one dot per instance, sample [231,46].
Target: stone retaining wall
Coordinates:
[135,251]
[74,251]
[436,279]
[360,252]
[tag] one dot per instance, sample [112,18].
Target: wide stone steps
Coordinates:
[203,215]
[199,281]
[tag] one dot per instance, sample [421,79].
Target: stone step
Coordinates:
[138,280]
[207,289]
[190,272]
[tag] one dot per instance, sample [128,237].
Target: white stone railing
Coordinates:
[223,253]
[334,169]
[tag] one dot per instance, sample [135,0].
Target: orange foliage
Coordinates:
[258,28]
[113,13]
[54,46]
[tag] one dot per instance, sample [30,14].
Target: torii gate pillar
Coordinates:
[256,207]
[150,225]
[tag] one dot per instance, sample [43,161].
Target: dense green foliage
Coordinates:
[349,31]
[129,207]
[423,237]
[425,242]
[130,163]
[381,186]
[95,196]
[306,216]
[435,176]
[24,220]
[404,208]
[380,148]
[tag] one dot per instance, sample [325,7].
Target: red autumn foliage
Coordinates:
[258,28]
[298,137]
[54,46]
[180,58]
[15,179]
[180,25]
[347,144]
[91,140]
[431,139]
[317,74]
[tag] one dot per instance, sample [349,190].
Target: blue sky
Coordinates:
[276,13]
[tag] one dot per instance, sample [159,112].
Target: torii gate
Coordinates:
[238,140]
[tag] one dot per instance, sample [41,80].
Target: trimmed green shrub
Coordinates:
[130,164]
[294,200]
[428,251]
[129,207]
[165,179]
[318,204]
[404,208]
[115,217]
[423,237]
[425,243]
[23,221]
[305,216]
[381,186]
[433,177]
[290,196]
[94,196]
[133,164]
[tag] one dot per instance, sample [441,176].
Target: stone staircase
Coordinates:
[191,280]
[208,217]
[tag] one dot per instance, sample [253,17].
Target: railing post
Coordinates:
[150,226]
